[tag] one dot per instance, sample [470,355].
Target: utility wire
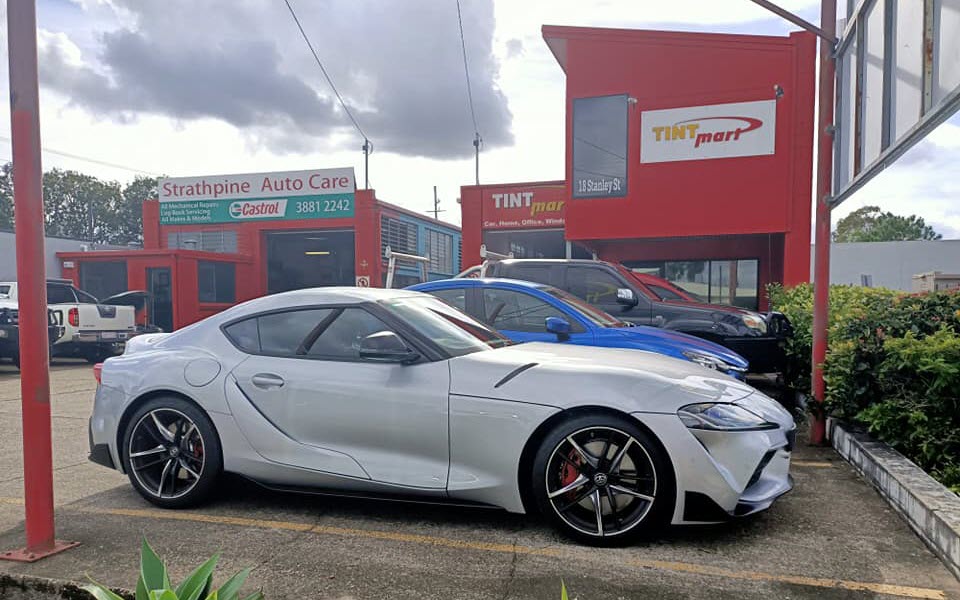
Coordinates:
[323,70]
[90,160]
[466,70]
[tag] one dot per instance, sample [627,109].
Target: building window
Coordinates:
[217,281]
[103,279]
[440,251]
[399,235]
[734,282]
[600,147]
[222,241]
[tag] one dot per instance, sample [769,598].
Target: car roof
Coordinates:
[479,282]
[320,295]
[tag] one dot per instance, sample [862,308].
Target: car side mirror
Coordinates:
[559,326]
[627,297]
[386,346]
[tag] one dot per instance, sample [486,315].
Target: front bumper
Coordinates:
[721,475]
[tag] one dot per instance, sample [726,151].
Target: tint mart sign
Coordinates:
[524,207]
[317,194]
[714,131]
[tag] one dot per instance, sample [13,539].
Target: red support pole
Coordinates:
[821,269]
[31,283]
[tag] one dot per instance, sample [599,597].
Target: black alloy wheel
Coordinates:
[603,482]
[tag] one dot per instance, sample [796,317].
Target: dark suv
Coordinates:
[760,338]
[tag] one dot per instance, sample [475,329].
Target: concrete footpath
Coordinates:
[833,537]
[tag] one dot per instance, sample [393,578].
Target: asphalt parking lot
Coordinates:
[832,537]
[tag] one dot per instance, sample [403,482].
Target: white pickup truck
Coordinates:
[91,330]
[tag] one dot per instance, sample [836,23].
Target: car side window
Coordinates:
[515,311]
[456,297]
[534,273]
[596,286]
[85,298]
[664,293]
[245,335]
[60,294]
[340,340]
[281,334]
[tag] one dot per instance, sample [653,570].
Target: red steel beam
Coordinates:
[821,265]
[31,283]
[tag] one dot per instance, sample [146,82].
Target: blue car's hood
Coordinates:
[675,340]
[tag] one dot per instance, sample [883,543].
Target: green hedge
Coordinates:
[893,365]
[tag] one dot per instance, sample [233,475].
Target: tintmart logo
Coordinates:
[707,130]
[258,209]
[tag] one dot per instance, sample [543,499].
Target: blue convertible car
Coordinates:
[526,312]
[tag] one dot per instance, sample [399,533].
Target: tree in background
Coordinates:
[84,207]
[870,224]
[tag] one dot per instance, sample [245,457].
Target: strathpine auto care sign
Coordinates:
[714,131]
[524,207]
[289,195]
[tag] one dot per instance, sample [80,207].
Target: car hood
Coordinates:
[720,308]
[677,340]
[566,375]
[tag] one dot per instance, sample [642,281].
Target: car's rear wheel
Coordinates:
[603,480]
[171,453]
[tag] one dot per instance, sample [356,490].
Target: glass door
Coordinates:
[161,297]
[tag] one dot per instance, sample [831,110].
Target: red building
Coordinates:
[233,250]
[688,155]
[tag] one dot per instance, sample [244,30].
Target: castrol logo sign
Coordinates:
[258,209]
[714,131]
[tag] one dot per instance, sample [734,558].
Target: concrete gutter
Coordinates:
[930,509]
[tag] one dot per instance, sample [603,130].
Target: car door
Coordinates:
[598,286]
[308,380]
[522,317]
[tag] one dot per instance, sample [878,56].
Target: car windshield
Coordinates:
[588,311]
[4,291]
[455,332]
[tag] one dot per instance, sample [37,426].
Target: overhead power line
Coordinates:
[466,71]
[316,57]
[91,160]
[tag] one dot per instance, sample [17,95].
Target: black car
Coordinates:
[10,333]
[760,338]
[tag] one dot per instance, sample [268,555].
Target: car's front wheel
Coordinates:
[603,480]
[171,452]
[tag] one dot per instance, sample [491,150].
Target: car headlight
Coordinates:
[718,416]
[755,322]
[711,362]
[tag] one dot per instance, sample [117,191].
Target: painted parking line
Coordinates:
[815,464]
[444,542]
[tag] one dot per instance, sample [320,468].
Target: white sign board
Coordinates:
[314,194]
[712,131]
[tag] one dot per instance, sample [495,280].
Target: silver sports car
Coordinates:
[388,392]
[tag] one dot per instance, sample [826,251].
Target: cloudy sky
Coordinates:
[187,87]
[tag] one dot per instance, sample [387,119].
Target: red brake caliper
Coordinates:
[569,474]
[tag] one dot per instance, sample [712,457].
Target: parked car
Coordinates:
[10,332]
[393,392]
[760,338]
[533,312]
[92,330]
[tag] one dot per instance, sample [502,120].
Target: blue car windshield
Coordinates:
[588,311]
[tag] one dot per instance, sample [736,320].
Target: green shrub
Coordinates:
[154,583]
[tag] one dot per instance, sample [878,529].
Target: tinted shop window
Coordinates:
[103,279]
[527,243]
[217,281]
[281,334]
[600,147]
[734,282]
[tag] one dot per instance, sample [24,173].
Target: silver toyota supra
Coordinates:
[394,393]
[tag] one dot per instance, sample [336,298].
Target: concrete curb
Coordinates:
[930,509]
[25,587]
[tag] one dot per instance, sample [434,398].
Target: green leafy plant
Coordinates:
[154,583]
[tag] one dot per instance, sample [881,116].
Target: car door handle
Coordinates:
[267,381]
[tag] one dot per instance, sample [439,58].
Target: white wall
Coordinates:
[891,264]
[52,245]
